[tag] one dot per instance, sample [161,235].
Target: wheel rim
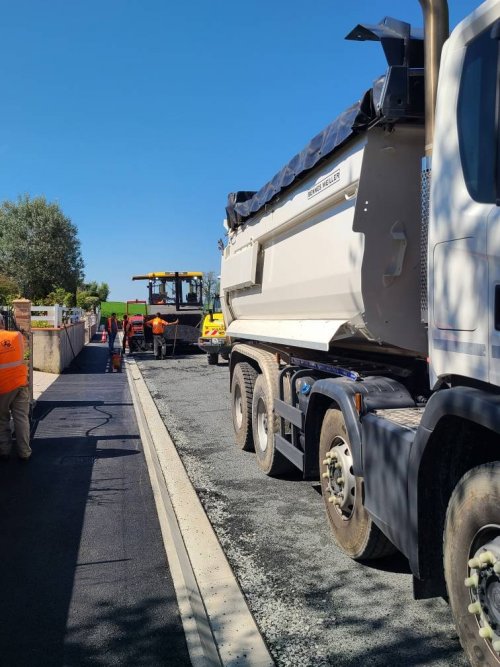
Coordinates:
[238,407]
[340,479]
[261,425]
[483,582]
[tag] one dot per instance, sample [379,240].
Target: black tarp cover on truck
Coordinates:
[396,96]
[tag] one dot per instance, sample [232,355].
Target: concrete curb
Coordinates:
[219,627]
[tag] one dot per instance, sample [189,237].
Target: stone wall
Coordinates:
[55,349]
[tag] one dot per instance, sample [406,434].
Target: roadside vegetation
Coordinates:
[40,256]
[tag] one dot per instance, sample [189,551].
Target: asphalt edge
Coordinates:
[199,638]
[219,626]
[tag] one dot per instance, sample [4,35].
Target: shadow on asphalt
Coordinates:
[82,495]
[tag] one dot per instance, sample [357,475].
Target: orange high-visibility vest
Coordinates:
[158,325]
[13,370]
[112,325]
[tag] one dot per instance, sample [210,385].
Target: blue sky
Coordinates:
[139,116]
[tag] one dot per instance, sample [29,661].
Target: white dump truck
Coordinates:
[361,293]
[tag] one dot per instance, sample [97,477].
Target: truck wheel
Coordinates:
[472,563]
[352,527]
[242,384]
[264,425]
[213,359]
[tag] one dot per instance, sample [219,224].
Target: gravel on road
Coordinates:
[313,605]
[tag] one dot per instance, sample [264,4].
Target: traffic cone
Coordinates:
[104,336]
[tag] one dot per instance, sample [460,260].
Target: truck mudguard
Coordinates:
[474,405]
[376,392]
[389,456]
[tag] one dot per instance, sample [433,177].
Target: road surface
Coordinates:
[313,605]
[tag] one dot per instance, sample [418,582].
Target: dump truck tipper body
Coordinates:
[337,258]
[361,293]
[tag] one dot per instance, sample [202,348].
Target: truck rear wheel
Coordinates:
[352,527]
[242,385]
[264,425]
[472,563]
[212,358]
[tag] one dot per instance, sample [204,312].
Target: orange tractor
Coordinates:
[136,336]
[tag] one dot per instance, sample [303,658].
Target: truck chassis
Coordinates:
[398,469]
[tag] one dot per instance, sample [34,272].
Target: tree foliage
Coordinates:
[210,287]
[87,301]
[8,290]
[91,294]
[39,247]
[58,296]
[101,290]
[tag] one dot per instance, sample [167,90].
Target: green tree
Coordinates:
[100,290]
[39,247]
[59,296]
[8,290]
[91,294]
[87,301]
[210,287]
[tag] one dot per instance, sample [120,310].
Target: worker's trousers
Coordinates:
[159,344]
[111,341]
[15,403]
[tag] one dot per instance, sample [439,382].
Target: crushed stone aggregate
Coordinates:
[314,606]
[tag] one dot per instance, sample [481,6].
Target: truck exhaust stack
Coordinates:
[436,30]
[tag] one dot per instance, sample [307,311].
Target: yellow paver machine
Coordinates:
[176,295]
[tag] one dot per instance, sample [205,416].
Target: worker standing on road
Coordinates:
[14,394]
[158,325]
[126,325]
[112,329]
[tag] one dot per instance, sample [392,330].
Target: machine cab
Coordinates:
[180,289]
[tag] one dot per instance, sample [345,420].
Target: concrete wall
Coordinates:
[90,328]
[54,349]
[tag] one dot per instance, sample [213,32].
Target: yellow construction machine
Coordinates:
[178,294]
[213,339]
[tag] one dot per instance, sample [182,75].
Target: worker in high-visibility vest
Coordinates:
[14,394]
[126,328]
[112,329]
[158,325]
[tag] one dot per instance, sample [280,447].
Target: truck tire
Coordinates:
[242,384]
[212,359]
[269,459]
[472,563]
[353,529]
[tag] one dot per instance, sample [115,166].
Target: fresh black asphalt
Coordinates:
[83,576]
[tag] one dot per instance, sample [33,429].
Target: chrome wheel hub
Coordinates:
[484,585]
[341,483]
[238,409]
[262,425]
